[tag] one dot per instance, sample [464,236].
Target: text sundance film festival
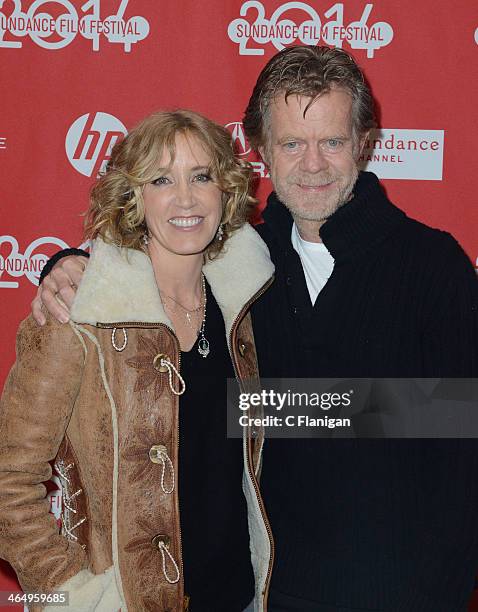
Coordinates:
[64,23]
[252,30]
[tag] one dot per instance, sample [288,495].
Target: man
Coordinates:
[361,290]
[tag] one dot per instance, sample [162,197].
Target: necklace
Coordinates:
[203,343]
[189,312]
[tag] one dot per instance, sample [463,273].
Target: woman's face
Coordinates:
[183,206]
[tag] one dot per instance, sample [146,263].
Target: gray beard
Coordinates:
[344,196]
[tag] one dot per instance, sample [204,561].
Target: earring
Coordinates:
[220,233]
[145,238]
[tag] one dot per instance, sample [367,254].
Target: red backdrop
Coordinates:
[75,76]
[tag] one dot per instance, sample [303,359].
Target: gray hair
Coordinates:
[307,71]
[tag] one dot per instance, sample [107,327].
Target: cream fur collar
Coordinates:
[119,284]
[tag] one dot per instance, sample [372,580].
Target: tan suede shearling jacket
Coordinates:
[98,396]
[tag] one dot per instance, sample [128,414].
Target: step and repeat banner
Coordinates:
[75,77]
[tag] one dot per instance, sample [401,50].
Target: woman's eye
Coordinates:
[202,178]
[161,180]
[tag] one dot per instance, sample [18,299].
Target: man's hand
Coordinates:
[60,284]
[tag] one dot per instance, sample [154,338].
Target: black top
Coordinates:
[218,573]
[371,524]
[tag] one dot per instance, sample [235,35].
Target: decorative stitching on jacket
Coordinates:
[117,348]
[67,525]
[139,454]
[148,554]
[143,362]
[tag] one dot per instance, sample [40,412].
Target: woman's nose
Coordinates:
[185,196]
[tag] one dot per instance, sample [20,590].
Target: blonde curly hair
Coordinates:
[116,210]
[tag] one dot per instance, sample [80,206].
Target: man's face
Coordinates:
[312,159]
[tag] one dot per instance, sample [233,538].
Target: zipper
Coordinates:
[129,324]
[176,492]
[181,588]
[144,325]
[252,475]
[246,307]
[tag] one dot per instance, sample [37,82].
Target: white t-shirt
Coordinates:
[316,260]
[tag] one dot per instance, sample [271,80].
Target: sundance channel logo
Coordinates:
[89,142]
[299,22]
[404,154]
[55,24]
[15,264]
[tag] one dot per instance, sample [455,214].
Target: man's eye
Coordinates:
[290,146]
[161,180]
[334,143]
[202,178]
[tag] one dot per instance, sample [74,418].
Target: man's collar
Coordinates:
[355,227]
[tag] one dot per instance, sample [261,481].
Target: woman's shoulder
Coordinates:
[52,337]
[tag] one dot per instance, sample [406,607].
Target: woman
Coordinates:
[129,397]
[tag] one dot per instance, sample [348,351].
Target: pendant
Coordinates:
[203,347]
[188,318]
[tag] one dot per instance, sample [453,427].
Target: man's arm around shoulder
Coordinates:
[59,278]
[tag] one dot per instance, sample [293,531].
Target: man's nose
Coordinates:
[313,160]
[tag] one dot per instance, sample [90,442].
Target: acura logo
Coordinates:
[239,139]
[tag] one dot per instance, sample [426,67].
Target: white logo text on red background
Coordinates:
[58,30]
[243,148]
[14,263]
[404,154]
[257,30]
[89,142]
